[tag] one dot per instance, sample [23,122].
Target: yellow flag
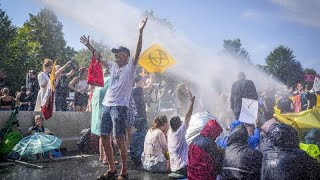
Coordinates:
[156,59]
[52,76]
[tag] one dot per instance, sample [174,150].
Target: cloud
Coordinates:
[305,12]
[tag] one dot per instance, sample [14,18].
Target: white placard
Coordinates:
[249,111]
[316,84]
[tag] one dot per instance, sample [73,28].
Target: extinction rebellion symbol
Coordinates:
[160,59]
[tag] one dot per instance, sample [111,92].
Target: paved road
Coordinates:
[82,168]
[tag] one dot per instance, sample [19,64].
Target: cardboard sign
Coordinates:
[316,84]
[249,111]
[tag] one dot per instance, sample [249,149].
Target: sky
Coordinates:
[261,25]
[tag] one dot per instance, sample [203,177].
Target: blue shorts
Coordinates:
[114,118]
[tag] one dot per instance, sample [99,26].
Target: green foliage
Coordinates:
[234,49]
[310,71]
[282,64]
[46,29]
[263,68]
[25,48]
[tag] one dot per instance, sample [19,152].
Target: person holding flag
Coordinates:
[43,97]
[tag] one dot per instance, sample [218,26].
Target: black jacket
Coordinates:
[241,161]
[283,159]
[242,89]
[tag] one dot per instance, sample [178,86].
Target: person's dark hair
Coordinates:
[159,121]
[284,105]
[241,75]
[23,89]
[32,72]
[175,123]
[138,79]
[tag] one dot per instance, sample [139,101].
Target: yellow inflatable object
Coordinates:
[303,120]
[156,59]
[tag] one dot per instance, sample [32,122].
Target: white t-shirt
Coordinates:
[154,145]
[120,84]
[178,148]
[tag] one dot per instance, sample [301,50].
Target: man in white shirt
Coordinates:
[177,143]
[116,101]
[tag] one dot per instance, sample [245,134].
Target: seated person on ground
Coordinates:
[253,139]
[155,157]
[283,159]
[204,158]
[177,143]
[241,161]
[39,128]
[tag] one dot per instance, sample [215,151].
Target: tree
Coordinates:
[46,29]
[7,33]
[262,68]
[310,71]
[234,49]
[282,64]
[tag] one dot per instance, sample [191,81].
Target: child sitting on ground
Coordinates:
[177,144]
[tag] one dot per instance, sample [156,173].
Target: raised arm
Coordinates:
[86,41]
[139,45]
[71,85]
[189,113]
[60,71]
[70,73]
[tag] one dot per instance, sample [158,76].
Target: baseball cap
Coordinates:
[121,49]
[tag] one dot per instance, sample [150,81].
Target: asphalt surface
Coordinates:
[72,169]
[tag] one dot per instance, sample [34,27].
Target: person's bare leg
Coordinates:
[103,156]
[106,142]
[83,108]
[77,108]
[121,141]
[128,137]
[50,155]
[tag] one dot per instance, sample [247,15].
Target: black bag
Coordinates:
[88,143]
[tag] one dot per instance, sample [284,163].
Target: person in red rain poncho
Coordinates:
[204,158]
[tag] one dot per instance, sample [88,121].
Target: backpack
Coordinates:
[88,142]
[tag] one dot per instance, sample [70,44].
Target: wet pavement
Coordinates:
[72,169]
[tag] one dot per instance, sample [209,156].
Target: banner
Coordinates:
[156,59]
[48,100]
[303,120]
[249,111]
[316,84]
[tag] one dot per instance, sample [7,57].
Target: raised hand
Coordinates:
[192,98]
[143,24]
[85,40]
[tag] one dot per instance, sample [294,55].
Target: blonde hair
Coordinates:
[159,121]
[47,63]
[38,116]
